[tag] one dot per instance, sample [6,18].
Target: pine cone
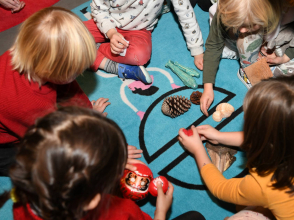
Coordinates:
[195,97]
[174,106]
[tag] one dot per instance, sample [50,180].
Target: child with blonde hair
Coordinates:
[38,73]
[124,28]
[268,141]
[68,165]
[243,26]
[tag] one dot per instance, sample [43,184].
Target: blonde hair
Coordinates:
[235,13]
[53,45]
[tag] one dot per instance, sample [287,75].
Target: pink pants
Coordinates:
[139,50]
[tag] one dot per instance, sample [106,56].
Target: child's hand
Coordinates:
[190,143]
[277,60]
[20,6]
[13,5]
[163,201]
[117,42]
[130,162]
[100,105]
[273,59]
[208,133]
[206,98]
[198,61]
[133,152]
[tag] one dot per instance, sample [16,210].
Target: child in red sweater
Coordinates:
[52,48]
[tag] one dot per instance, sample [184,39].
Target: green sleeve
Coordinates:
[213,50]
[290,52]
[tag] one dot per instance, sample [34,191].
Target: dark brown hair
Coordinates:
[66,159]
[268,130]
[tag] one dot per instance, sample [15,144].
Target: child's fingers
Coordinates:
[181,134]
[131,147]
[134,150]
[203,106]
[116,48]
[122,40]
[137,151]
[12,3]
[159,189]
[170,190]
[130,167]
[102,102]
[133,161]
[135,155]
[194,129]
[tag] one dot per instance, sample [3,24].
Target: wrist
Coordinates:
[159,215]
[208,85]
[286,58]
[111,32]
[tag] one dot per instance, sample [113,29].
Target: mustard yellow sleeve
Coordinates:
[241,191]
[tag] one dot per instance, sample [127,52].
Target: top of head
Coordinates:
[66,158]
[248,13]
[53,45]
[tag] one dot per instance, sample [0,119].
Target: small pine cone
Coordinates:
[174,106]
[195,97]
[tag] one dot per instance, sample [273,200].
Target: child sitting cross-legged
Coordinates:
[123,31]
[268,141]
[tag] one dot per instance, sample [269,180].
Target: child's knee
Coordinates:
[139,55]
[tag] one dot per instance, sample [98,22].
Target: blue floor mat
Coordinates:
[137,110]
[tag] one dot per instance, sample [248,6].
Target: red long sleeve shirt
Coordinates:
[22,102]
[118,209]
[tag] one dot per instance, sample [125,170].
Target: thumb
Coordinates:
[159,189]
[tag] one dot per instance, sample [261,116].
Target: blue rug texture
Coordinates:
[136,108]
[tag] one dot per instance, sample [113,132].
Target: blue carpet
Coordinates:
[137,110]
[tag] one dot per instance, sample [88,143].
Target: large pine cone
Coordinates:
[174,106]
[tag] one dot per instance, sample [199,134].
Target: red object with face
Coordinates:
[153,187]
[134,184]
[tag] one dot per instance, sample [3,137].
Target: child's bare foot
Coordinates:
[100,105]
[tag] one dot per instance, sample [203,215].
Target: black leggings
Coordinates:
[203,4]
[191,215]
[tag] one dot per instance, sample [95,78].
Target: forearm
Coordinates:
[201,158]
[214,47]
[101,15]
[190,27]
[242,191]
[231,138]
[159,215]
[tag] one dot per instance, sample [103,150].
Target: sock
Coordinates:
[98,45]
[111,67]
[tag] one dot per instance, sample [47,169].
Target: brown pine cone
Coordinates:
[174,106]
[195,97]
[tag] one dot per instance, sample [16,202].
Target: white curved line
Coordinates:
[164,72]
[123,94]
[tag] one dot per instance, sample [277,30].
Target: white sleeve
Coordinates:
[101,15]
[189,24]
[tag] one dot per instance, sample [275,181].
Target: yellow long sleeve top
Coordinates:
[252,190]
